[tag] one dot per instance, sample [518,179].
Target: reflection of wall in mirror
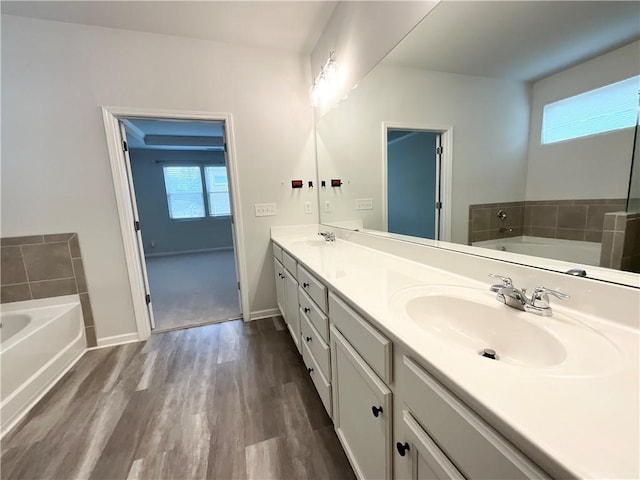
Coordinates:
[490,119]
[597,166]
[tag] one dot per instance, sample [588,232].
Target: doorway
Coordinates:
[185,252]
[413,182]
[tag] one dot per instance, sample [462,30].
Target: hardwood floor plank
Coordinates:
[222,401]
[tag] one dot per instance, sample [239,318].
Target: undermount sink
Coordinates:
[472,320]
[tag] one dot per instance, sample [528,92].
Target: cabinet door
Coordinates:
[424,460]
[362,411]
[291,306]
[279,269]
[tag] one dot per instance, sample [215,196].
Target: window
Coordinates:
[185,191]
[217,191]
[604,109]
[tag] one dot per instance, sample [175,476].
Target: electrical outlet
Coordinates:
[364,204]
[327,206]
[265,209]
[307,207]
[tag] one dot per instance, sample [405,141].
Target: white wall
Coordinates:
[490,120]
[55,169]
[361,34]
[590,167]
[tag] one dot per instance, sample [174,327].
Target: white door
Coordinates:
[233,226]
[136,225]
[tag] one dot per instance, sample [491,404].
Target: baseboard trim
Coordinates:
[116,340]
[259,314]
[184,252]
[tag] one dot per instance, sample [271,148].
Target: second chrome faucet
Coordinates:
[538,304]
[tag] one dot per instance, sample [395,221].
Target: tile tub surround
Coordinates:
[564,219]
[621,241]
[40,266]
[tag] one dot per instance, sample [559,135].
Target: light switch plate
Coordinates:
[364,204]
[327,206]
[307,207]
[265,209]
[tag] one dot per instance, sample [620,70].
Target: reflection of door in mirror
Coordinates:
[413,182]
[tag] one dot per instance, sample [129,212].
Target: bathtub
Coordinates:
[573,251]
[39,341]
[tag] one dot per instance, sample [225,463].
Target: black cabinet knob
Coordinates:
[376,411]
[308,339]
[307,309]
[402,448]
[305,285]
[310,370]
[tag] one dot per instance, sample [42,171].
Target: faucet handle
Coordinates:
[540,297]
[506,282]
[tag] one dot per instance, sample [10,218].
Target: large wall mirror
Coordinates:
[504,129]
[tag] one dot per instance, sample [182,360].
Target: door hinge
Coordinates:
[225,147]
[439,150]
[136,225]
[238,285]
[438,205]
[125,147]
[147,298]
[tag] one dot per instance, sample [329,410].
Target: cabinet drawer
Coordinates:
[318,348]
[316,317]
[475,448]
[322,384]
[277,251]
[290,264]
[316,290]
[374,347]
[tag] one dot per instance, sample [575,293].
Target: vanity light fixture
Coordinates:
[326,82]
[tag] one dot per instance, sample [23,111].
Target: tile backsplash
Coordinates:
[40,266]
[565,219]
[621,241]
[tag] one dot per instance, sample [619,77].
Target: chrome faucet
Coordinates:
[328,236]
[513,297]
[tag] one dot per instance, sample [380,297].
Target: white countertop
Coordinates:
[587,424]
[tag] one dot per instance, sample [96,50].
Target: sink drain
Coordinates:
[489,353]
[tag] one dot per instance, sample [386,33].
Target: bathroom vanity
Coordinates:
[392,335]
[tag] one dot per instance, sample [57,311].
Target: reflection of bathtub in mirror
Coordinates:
[573,251]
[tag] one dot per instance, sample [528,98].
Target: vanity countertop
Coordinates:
[583,425]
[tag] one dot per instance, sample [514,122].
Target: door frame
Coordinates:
[111,116]
[445,174]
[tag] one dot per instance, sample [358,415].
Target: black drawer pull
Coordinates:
[305,285]
[308,339]
[306,309]
[310,370]
[376,411]
[403,448]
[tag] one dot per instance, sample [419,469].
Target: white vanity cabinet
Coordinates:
[285,267]
[445,437]
[279,271]
[362,411]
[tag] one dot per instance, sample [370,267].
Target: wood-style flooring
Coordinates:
[230,400]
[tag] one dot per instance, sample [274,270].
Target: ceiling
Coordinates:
[292,26]
[174,134]
[519,40]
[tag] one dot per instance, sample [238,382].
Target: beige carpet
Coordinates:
[193,288]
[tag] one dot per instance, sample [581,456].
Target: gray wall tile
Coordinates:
[54,288]
[7,241]
[87,311]
[572,216]
[15,293]
[544,216]
[74,246]
[90,333]
[570,234]
[47,261]
[78,269]
[12,267]
[58,237]
[593,236]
